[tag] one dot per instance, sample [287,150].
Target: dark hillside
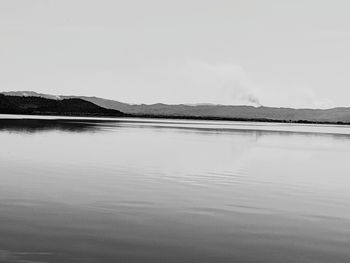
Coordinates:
[43,106]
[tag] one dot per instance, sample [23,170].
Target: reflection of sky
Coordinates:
[152,175]
[238,162]
[193,153]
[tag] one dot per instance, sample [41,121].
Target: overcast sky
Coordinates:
[278,52]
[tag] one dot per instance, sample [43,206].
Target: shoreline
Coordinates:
[181,117]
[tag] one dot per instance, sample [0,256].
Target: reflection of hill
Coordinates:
[96,125]
[39,125]
[44,106]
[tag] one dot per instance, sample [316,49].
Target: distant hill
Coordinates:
[207,111]
[44,106]
[341,114]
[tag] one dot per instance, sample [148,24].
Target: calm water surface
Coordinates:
[102,190]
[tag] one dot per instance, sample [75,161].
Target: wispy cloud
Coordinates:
[196,81]
[293,96]
[230,80]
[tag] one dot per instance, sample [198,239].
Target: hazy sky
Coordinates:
[279,52]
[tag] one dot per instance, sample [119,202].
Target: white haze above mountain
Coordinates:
[195,81]
[181,82]
[188,82]
[199,82]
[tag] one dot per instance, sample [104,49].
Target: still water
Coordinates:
[129,190]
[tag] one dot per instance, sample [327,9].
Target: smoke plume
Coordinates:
[196,81]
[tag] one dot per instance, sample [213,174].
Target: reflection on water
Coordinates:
[104,190]
[34,125]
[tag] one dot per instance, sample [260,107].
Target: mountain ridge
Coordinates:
[209,111]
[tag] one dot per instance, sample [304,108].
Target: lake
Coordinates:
[146,190]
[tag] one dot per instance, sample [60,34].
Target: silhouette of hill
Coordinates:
[44,106]
[340,115]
